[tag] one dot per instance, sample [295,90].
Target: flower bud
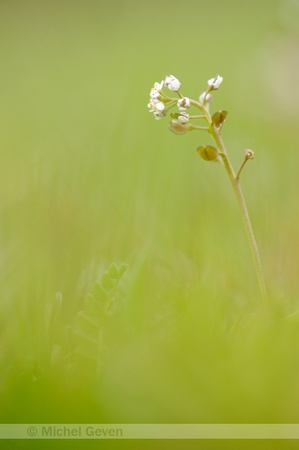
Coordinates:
[205,98]
[172,83]
[249,154]
[184,103]
[181,118]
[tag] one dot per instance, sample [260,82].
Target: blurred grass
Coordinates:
[89,178]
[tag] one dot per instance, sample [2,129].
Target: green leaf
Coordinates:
[219,118]
[94,306]
[122,269]
[99,292]
[208,153]
[113,272]
[107,281]
[87,322]
[80,336]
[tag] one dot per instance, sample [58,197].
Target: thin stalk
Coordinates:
[196,127]
[237,189]
[241,168]
[215,133]
[238,192]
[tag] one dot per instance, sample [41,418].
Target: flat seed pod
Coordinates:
[219,117]
[179,128]
[207,152]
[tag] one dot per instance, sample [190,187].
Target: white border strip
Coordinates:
[149,431]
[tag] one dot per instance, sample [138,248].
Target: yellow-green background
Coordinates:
[88,178]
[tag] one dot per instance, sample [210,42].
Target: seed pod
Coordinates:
[179,128]
[219,117]
[208,153]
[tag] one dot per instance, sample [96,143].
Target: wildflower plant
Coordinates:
[183,122]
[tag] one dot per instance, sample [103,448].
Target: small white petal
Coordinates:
[155,95]
[160,106]
[158,86]
[183,118]
[168,80]
[175,85]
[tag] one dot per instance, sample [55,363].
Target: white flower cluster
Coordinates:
[159,101]
[156,105]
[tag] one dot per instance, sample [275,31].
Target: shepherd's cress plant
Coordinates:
[160,104]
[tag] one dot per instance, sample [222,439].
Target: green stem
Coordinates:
[241,168]
[237,189]
[196,127]
[215,132]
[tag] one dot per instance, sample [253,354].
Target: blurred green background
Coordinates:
[89,178]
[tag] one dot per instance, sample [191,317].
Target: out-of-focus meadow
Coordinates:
[89,178]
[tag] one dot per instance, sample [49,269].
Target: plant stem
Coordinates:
[237,189]
[240,170]
[215,132]
[196,127]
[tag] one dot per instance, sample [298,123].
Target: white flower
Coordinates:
[183,103]
[204,97]
[155,96]
[160,111]
[172,83]
[151,106]
[155,105]
[158,108]
[182,118]
[158,86]
[215,82]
